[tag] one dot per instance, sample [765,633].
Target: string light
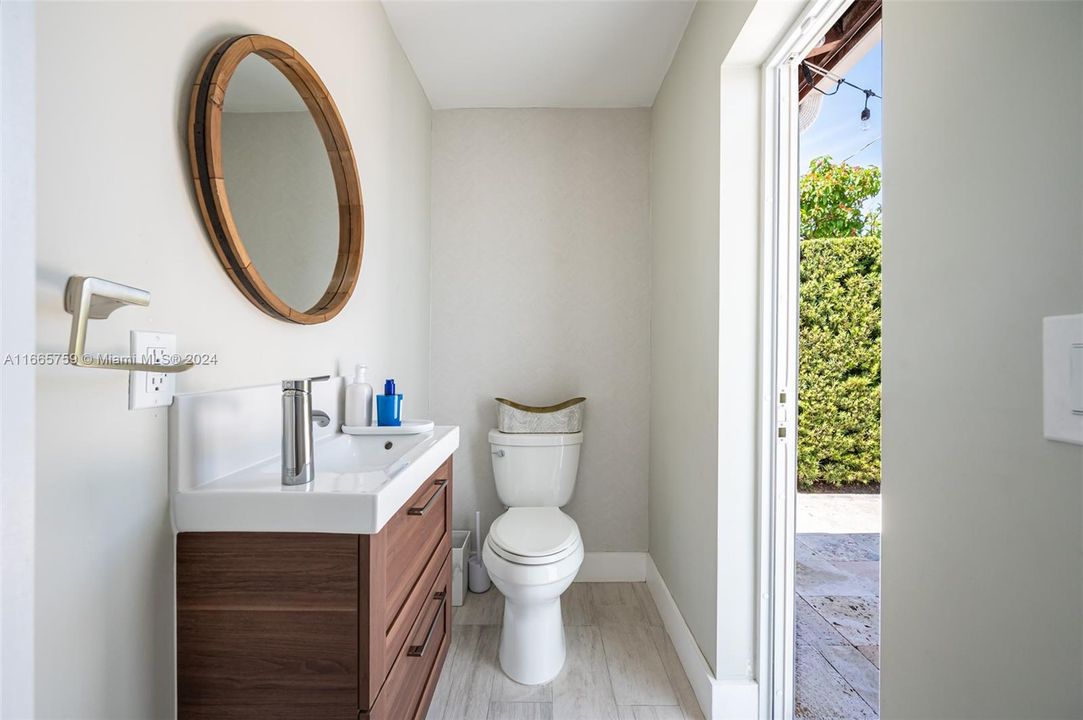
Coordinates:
[807,69]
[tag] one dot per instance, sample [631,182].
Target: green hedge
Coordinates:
[838,439]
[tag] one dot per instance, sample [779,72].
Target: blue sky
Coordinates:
[837,131]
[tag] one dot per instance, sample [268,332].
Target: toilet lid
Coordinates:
[534,535]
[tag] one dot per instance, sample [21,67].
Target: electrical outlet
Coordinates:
[147,389]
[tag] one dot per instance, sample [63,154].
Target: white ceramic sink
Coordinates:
[220,483]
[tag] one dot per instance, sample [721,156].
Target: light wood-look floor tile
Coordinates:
[520,711]
[635,667]
[507,690]
[473,673]
[443,686]
[690,709]
[650,712]
[616,603]
[613,593]
[650,610]
[577,605]
[582,690]
[485,608]
[614,640]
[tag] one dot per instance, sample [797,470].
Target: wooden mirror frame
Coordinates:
[205,153]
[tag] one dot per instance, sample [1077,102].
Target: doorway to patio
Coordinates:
[837,525]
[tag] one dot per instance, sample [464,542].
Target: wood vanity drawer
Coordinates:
[415,603]
[404,560]
[417,532]
[409,685]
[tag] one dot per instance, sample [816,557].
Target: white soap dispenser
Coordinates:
[359,400]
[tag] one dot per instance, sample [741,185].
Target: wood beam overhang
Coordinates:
[852,26]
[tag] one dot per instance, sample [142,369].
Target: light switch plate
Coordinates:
[145,389]
[1075,391]
[1062,378]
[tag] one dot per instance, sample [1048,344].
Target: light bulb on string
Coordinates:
[807,70]
[866,114]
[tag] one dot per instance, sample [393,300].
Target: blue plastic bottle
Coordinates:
[389,406]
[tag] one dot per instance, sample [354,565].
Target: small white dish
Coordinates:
[408,427]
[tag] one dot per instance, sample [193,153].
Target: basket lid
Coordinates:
[541,409]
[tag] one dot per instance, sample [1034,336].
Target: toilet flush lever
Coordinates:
[498,453]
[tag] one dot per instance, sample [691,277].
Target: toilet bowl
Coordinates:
[533,551]
[532,555]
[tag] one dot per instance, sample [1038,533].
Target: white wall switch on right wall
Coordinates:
[1062,378]
[1076,387]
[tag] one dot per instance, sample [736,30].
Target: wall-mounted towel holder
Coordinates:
[93,298]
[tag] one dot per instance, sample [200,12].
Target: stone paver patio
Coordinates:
[838,513]
[837,633]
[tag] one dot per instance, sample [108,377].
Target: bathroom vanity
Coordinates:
[317,625]
[325,600]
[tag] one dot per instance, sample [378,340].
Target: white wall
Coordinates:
[16,381]
[983,236]
[702,480]
[115,199]
[541,292]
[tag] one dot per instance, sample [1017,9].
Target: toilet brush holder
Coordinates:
[479,576]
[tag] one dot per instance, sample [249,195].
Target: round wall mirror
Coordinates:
[276,179]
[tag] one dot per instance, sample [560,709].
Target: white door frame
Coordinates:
[780,254]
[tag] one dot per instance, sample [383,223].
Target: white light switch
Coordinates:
[1076,378]
[1062,378]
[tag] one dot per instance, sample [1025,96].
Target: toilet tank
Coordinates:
[535,470]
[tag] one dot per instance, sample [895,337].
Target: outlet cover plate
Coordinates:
[151,390]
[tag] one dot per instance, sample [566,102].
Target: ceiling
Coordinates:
[518,53]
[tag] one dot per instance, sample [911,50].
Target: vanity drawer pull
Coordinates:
[422,509]
[419,650]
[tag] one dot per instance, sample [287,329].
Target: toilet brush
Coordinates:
[479,576]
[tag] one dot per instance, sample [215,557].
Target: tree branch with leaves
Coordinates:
[836,200]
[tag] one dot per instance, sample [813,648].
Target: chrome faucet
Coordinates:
[297,418]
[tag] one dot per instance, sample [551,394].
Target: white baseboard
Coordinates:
[613,567]
[736,699]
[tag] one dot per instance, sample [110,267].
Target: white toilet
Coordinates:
[533,550]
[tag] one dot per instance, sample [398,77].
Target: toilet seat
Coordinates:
[534,536]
